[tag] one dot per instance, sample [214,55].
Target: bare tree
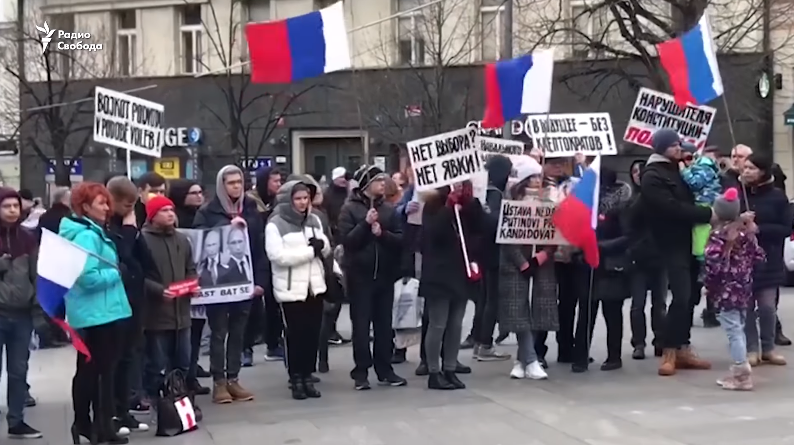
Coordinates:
[49,99]
[423,52]
[612,38]
[251,112]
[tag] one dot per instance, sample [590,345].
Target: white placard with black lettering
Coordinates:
[654,110]
[528,222]
[128,122]
[564,135]
[490,147]
[224,265]
[444,159]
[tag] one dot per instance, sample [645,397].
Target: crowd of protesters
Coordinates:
[681,223]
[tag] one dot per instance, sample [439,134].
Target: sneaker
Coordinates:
[392,380]
[518,371]
[468,343]
[238,393]
[535,371]
[362,384]
[132,424]
[274,355]
[121,430]
[490,354]
[337,339]
[23,431]
[248,358]
[399,356]
[140,407]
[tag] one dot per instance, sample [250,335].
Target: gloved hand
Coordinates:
[317,244]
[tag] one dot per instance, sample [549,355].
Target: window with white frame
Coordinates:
[410,34]
[60,61]
[190,28]
[492,29]
[126,41]
[588,26]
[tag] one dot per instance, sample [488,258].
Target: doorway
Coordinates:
[321,155]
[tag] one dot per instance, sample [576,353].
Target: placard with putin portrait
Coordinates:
[223,262]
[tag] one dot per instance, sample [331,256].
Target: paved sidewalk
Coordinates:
[631,406]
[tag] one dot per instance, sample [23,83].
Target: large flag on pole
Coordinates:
[60,264]
[576,216]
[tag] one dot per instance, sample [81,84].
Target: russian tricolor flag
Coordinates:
[576,216]
[691,65]
[59,266]
[518,86]
[297,48]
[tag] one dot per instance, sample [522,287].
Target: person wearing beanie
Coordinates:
[137,262]
[668,208]
[168,320]
[769,209]
[371,235]
[731,255]
[228,321]
[335,196]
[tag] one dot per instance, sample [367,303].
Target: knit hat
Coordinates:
[664,139]
[689,147]
[365,175]
[337,173]
[527,167]
[156,204]
[726,206]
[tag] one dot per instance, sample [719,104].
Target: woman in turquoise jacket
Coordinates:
[96,306]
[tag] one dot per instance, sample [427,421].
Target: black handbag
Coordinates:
[175,412]
[612,279]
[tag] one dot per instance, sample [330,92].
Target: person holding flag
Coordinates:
[669,208]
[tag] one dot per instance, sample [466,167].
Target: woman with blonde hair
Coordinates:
[394,193]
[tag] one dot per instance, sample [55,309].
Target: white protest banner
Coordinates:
[489,147]
[564,135]
[223,262]
[128,122]
[654,110]
[528,222]
[444,159]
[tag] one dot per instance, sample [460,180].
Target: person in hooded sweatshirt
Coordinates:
[19,310]
[372,239]
[486,305]
[227,321]
[135,260]
[188,196]
[168,322]
[265,320]
[296,244]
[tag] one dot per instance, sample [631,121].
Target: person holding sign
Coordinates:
[227,321]
[372,238]
[445,282]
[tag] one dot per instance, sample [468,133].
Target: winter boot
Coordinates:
[740,378]
[685,358]
[667,367]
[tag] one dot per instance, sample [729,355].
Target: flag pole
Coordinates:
[358,28]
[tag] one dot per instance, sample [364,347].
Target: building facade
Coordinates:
[414,75]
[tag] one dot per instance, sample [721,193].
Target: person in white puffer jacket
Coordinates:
[296,244]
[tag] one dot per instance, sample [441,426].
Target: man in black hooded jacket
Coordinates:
[482,329]
[372,238]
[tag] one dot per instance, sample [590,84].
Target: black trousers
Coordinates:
[330,315]
[573,292]
[425,323]
[371,304]
[486,308]
[93,383]
[130,341]
[678,323]
[302,321]
[255,326]
[196,331]
[274,326]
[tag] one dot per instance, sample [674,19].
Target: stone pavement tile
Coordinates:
[759,431]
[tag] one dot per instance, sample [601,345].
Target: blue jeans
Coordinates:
[15,337]
[526,348]
[733,322]
[166,351]
[761,320]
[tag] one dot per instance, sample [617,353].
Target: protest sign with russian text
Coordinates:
[445,159]
[564,135]
[654,110]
